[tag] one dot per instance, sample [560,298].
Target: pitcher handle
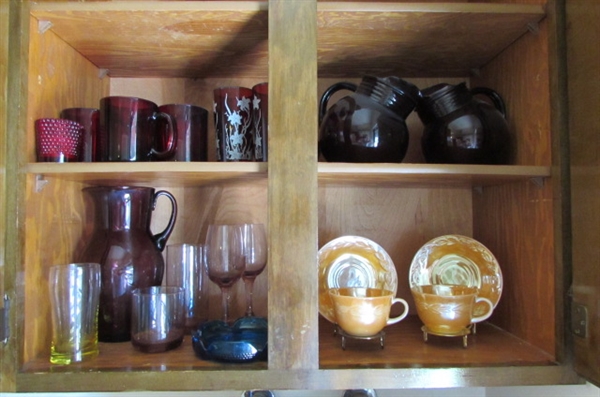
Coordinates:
[160,239]
[494,97]
[342,85]
[171,138]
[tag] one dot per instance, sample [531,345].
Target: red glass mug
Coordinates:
[128,131]
[191,125]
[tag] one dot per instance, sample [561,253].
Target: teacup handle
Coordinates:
[487,314]
[394,320]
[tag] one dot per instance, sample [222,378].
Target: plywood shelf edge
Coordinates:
[157,173]
[443,174]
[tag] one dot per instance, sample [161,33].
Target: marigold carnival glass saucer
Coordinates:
[353,261]
[458,260]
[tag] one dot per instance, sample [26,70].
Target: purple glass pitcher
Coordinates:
[128,252]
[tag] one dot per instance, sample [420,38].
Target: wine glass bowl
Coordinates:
[255,250]
[225,259]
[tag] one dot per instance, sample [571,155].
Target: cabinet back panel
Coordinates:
[199,207]
[59,78]
[400,220]
[161,91]
[515,222]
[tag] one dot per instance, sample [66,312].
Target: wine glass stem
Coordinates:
[249,284]
[225,303]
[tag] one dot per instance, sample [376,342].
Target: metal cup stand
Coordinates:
[338,331]
[463,333]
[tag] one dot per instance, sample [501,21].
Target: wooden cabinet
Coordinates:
[584,126]
[68,54]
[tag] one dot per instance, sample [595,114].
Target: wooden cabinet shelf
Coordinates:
[123,356]
[171,174]
[198,174]
[418,39]
[428,174]
[199,39]
[404,347]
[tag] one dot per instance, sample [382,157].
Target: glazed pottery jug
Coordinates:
[462,129]
[368,126]
[128,252]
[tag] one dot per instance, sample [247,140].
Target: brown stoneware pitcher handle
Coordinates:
[493,96]
[160,239]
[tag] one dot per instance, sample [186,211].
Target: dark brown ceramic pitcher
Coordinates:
[368,126]
[128,252]
[462,129]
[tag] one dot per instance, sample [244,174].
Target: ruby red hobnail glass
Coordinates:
[58,140]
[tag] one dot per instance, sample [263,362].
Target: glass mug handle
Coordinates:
[487,314]
[171,138]
[394,320]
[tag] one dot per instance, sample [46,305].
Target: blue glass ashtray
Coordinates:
[244,341]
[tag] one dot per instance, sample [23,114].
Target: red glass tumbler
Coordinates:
[88,118]
[233,124]
[260,120]
[58,140]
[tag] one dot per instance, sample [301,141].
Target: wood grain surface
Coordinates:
[200,39]
[584,88]
[172,52]
[293,218]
